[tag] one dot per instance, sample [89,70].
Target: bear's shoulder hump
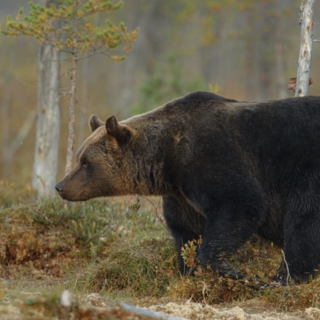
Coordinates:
[205,95]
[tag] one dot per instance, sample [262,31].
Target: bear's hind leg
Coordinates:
[230,224]
[302,220]
[302,243]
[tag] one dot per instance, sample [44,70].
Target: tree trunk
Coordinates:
[72,105]
[84,101]
[72,102]
[48,119]
[303,74]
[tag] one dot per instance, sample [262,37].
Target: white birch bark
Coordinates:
[48,120]
[84,101]
[304,64]
[72,99]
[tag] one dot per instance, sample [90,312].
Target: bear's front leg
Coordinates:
[219,244]
[184,223]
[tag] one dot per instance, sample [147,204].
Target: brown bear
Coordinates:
[226,170]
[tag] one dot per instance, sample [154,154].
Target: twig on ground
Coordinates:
[147,313]
[287,267]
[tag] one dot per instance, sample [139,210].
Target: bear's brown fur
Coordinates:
[226,170]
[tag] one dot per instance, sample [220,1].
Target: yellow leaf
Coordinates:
[127,48]
[88,26]
[117,58]
[214,87]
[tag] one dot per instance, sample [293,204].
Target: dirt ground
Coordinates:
[95,306]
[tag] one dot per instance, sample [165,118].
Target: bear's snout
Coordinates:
[59,187]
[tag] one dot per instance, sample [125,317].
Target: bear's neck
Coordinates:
[151,154]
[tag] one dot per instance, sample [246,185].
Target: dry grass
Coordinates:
[122,251]
[49,307]
[145,268]
[13,194]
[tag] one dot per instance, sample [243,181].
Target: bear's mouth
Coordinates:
[78,197]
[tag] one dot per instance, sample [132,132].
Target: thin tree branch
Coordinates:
[24,83]
[92,54]
[64,94]
[287,267]
[156,212]
[23,133]
[87,13]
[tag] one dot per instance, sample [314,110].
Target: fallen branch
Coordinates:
[288,278]
[147,313]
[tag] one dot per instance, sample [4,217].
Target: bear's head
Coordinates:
[103,164]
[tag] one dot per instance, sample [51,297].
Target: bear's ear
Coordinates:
[121,133]
[95,122]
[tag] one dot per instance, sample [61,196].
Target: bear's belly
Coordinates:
[272,227]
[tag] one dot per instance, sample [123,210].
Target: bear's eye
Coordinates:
[84,163]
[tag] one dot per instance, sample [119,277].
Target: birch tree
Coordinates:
[77,35]
[45,166]
[84,100]
[304,64]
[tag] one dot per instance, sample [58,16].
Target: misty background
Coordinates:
[244,50]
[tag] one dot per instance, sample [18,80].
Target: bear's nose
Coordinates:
[59,187]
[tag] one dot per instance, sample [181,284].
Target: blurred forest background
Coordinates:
[245,50]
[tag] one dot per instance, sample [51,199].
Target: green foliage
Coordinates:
[166,83]
[69,27]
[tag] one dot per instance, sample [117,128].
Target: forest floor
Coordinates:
[109,251]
